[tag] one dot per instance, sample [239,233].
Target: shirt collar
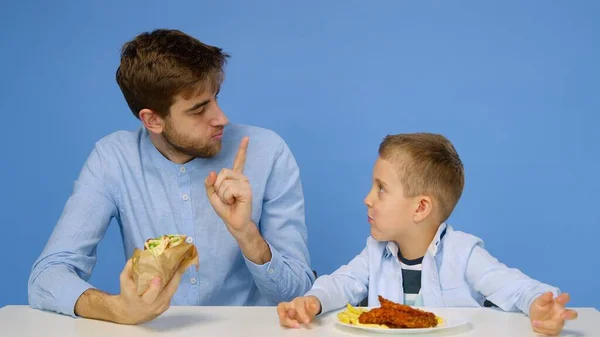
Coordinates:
[391,248]
[437,239]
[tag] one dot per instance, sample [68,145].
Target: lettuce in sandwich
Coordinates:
[162,256]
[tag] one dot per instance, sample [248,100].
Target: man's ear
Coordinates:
[424,207]
[152,121]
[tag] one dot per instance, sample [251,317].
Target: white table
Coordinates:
[22,321]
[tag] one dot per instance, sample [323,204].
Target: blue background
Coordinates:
[514,84]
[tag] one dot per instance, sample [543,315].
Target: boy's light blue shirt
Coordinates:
[127,179]
[456,272]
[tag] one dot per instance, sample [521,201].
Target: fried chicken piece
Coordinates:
[387,304]
[395,315]
[396,319]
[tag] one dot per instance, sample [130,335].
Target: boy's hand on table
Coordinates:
[548,314]
[301,310]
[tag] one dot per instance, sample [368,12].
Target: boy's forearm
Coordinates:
[532,292]
[98,305]
[508,288]
[348,284]
[335,291]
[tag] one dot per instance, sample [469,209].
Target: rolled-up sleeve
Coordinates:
[60,274]
[282,224]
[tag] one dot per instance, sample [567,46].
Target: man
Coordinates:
[247,221]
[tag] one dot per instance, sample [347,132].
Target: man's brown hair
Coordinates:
[158,66]
[428,165]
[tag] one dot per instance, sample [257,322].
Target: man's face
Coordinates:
[195,126]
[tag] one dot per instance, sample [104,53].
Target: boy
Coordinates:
[414,257]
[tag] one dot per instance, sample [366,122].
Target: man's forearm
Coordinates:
[98,305]
[253,246]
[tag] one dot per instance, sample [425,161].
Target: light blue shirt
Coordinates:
[456,272]
[127,179]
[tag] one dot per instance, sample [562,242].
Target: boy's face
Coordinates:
[390,213]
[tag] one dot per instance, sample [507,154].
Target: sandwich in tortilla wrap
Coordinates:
[162,257]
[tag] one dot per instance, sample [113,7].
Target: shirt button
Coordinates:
[185,197]
[182,169]
[271,271]
[189,239]
[193,280]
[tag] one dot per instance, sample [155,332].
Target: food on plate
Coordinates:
[389,315]
[351,314]
[162,256]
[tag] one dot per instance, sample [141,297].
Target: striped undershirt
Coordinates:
[411,278]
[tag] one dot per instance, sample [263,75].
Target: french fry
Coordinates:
[351,314]
[354,310]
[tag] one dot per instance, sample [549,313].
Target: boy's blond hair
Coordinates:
[428,164]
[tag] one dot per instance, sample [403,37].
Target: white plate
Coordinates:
[451,321]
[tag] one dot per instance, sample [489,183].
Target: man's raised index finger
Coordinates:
[240,157]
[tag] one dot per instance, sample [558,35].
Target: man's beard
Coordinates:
[179,144]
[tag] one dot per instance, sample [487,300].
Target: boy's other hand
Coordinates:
[301,310]
[548,314]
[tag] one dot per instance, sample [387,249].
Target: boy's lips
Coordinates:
[370,219]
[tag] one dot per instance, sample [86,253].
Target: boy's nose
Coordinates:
[367,200]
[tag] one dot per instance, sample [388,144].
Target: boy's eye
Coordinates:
[381,189]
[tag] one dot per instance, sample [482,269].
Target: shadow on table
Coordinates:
[173,322]
[571,333]
[161,325]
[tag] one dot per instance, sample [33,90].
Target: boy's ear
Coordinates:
[152,121]
[423,209]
